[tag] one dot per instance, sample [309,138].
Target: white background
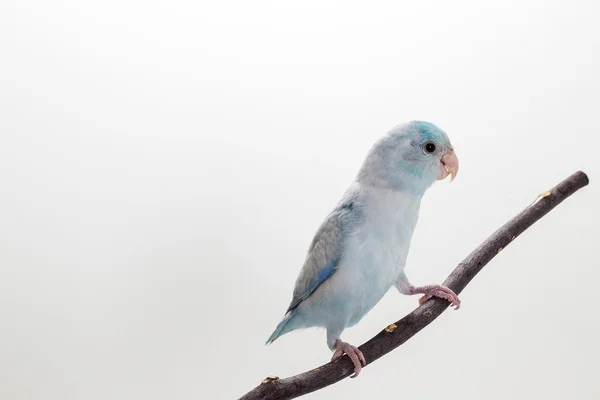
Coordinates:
[164,165]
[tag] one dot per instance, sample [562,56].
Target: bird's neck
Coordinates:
[391,201]
[409,185]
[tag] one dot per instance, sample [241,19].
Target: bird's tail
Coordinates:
[281,327]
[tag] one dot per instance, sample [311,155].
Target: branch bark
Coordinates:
[273,388]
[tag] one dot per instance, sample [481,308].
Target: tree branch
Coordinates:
[273,388]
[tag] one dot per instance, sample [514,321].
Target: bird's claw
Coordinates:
[439,291]
[353,353]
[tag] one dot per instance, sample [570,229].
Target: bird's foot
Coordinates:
[355,355]
[437,291]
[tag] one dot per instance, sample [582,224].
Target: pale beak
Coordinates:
[448,165]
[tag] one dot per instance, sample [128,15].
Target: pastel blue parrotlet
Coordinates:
[359,251]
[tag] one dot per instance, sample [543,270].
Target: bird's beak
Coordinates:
[448,165]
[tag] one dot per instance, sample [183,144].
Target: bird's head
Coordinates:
[410,157]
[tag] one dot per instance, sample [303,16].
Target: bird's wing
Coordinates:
[325,250]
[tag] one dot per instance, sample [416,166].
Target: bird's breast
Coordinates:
[379,246]
[374,255]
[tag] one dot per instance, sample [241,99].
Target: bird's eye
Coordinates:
[429,147]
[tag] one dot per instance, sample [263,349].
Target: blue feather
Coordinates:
[279,330]
[321,276]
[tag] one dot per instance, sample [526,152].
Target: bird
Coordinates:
[359,251]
